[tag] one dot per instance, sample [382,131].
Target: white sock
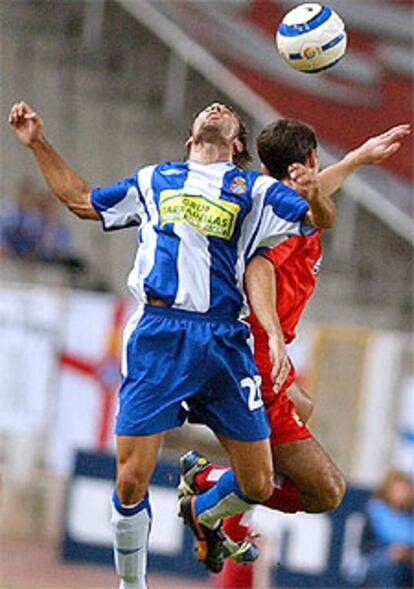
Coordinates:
[131,547]
[125,585]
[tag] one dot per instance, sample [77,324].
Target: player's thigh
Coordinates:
[252,465]
[136,457]
[307,464]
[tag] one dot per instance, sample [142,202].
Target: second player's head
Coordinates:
[285,142]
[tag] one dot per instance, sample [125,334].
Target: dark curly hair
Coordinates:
[242,159]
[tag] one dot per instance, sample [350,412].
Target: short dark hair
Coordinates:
[283,143]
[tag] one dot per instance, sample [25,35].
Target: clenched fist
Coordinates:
[27,123]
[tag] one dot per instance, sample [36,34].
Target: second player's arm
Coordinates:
[66,184]
[260,282]
[318,188]
[373,151]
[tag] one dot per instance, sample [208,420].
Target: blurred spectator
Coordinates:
[21,225]
[31,229]
[388,538]
[55,244]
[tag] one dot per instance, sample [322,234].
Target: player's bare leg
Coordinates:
[252,465]
[306,477]
[136,457]
[249,481]
[319,482]
[131,513]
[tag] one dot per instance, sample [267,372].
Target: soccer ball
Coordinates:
[311,38]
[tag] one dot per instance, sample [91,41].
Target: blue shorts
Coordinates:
[187,365]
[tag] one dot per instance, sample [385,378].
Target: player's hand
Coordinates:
[27,123]
[377,149]
[280,377]
[305,181]
[280,362]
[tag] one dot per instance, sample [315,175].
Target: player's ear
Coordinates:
[237,146]
[189,143]
[264,170]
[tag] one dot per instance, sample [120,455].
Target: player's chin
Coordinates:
[213,131]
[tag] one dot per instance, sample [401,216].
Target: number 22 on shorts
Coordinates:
[255,395]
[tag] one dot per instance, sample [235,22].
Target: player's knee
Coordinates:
[258,489]
[332,493]
[129,487]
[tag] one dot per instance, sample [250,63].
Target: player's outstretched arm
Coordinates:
[68,186]
[373,151]
[260,282]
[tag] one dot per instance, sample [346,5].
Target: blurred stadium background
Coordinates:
[117,83]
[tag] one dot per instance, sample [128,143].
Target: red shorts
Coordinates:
[284,420]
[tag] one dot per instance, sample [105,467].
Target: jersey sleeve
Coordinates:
[119,205]
[279,214]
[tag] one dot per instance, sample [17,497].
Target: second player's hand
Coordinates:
[280,362]
[304,181]
[26,122]
[377,149]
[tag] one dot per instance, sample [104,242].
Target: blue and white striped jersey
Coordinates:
[198,226]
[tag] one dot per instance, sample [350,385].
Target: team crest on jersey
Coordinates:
[211,217]
[317,267]
[238,186]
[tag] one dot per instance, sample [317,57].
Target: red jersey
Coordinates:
[296,262]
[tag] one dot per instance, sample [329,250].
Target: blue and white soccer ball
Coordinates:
[311,38]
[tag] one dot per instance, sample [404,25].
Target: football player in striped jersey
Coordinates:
[186,350]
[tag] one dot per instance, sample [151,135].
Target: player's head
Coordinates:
[285,142]
[220,124]
[397,490]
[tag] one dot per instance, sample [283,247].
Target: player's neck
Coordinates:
[209,153]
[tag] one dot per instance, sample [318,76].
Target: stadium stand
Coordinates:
[137,88]
[371,80]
